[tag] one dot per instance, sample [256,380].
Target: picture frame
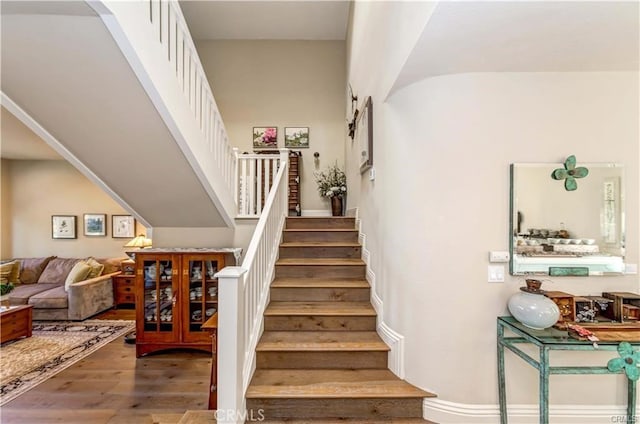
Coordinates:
[64,226]
[296,137]
[265,137]
[95,224]
[123,226]
[364,135]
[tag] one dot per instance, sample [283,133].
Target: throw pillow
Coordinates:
[31,268]
[57,270]
[79,272]
[6,269]
[96,267]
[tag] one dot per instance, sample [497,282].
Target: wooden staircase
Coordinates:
[320,358]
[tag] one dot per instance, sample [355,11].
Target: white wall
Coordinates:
[41,188]
[5,210]
[440,203]
[283,84]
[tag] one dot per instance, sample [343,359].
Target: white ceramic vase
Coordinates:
[533,310]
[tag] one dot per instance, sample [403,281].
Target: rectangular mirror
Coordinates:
[559,232]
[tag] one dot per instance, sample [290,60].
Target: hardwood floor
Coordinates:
[112,386]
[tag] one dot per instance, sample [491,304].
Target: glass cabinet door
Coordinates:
[202,294]
[159,295]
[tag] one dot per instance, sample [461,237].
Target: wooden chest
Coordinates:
[566,305]
[16,322]
[626,306]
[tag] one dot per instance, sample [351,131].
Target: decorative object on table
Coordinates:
[296,137]
[63,226]
[364,136]
[332,183]
[265,137]
[628,361]
[566,305]
[626,306]
[95,224]
[593,308]
[569,173]
[123,226]
[532,308]
[128,266]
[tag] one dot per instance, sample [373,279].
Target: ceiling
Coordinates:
[527,36]
[267,20]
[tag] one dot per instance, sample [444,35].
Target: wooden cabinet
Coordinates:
[123,290]
[176,292]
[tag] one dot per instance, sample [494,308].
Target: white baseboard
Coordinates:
[394,340]
[445,412]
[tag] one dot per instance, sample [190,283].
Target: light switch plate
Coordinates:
[495,273]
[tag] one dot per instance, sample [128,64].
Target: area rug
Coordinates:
[53,347]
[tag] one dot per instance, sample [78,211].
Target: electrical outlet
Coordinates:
[495,273]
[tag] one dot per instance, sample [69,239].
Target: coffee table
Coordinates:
[15,322]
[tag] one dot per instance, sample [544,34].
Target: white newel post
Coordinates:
[231,404]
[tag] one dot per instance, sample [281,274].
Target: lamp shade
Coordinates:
[140,241]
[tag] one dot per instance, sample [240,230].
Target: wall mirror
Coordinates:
[554,231]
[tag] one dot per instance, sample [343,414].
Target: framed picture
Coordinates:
[265,137]
[364,136]
[296,137]
[95,224]
[63,226]
[123,226]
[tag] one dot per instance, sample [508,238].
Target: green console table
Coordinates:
[546,341]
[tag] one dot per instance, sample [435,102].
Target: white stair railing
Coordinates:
[255,176]
[243,297]
[154,37]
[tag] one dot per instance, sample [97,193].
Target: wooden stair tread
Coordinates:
[321,341]
[320,283]
[349,421]
[329,383]
[320,261]
[320,308]
[320,230]
[320,244]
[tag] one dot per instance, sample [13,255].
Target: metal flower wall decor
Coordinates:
[569,173]
[628,361]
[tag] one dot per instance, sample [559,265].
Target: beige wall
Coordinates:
[40,189]
[283,84]
[5,209]
[440,203]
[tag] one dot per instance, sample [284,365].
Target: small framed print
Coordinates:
[63,226]
[123,226]
[296,137]
[265,137]
[95,224]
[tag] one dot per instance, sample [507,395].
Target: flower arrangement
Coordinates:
[332,182]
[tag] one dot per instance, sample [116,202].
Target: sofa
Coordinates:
[62,288]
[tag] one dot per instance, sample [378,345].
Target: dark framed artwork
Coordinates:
[265,137]
[364,135]
[296,137]
[64,226]
[95,224]
[123,226]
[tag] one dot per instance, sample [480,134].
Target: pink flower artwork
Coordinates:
[265,137]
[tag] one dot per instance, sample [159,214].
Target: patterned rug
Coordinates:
[54,346]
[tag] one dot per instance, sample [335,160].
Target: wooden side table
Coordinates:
[16,322]
[124,289]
